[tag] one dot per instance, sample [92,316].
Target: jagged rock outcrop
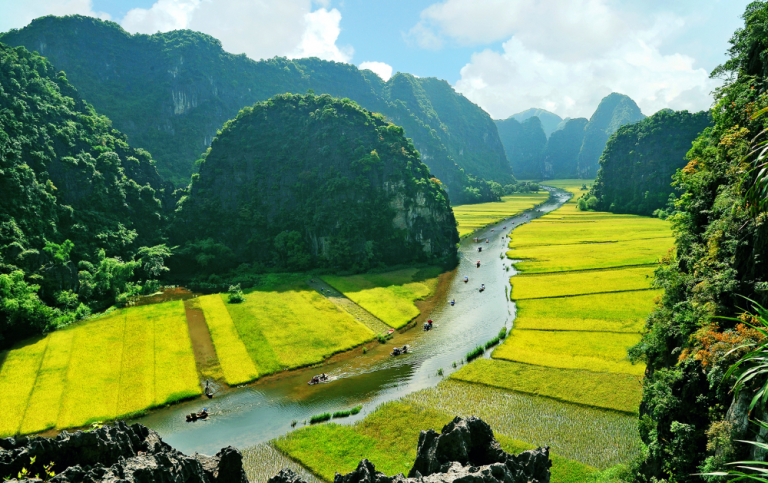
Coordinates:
[117,453]
[465,451]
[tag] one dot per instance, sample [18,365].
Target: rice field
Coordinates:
[566,284]
[474,217]
[586,256]
[612,312]
[101,369]
[570,185]
[389,296]
[285,327]
[591,436]
[236,363]
[388,438]
[263,461]
[592,351]
[554,230]
[616,391]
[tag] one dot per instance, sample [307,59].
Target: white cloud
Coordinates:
[258,28]
[17,14]
[565,55]
[379,68]
[320,34]
[519,78]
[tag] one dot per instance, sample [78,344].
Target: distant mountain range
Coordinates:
[539,144]
[171,92]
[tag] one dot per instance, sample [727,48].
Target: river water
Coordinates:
[265,410]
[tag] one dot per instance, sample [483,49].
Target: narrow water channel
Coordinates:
[265,410]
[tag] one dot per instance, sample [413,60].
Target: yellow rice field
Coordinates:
[118,364]
[389,296]
[473,217]
[581,283]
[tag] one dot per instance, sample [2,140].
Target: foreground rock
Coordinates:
[117,453]
[465,450]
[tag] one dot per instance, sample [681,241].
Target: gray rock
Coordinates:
[117,453]
[464,452]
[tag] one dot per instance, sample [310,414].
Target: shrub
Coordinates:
[235,294]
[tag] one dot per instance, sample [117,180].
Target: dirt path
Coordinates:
[207,362]
[359,313]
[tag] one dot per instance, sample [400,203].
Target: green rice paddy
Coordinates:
[388,438]
[284,327]
[389,296]
[473,217]
[564,284]
[620,392]
[101,369]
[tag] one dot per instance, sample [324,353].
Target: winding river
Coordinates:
[265,410]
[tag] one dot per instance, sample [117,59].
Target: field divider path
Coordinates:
[586,293]
[339,299]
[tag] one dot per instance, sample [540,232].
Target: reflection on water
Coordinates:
[263,411]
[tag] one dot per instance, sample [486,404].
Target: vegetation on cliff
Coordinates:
[690,420]
[312,181]
[80,209]
[549,121]
[639,160]
[523,143]
[171,91]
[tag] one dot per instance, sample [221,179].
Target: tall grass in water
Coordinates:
[475,353]
[347,412]
[319,418]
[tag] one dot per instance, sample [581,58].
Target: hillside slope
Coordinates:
[561,154]
[307,181]
[73,193]
[639,160]
[523,143]
[170,93]
[614,111]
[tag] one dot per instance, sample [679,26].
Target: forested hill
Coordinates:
[691,420]
[570,148]
[313,181]
[77,204]
[549,120]
[639,160]
[614,111]
[171,92]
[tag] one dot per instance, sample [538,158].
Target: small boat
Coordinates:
[397,351]
[195,416]
[482,288]
[391,331]
[453,302]
[319,379]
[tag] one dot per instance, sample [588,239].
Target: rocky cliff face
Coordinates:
[465,451]
[118,453]
[303,181]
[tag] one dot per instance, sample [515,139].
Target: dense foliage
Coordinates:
[639,160]
[690,421]
[78,207]
[614,111]
[170,92]
[523,144]
[306,181]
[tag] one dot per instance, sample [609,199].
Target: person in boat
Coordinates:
[405,349]
[466,279]
[453,302]
[482,287]
[486,240]
[315,379]
[396,351]
[324,377]
[478,264]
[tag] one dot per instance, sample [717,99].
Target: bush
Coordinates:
[235,294]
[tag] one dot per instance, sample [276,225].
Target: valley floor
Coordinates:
[473,217]
[561,378]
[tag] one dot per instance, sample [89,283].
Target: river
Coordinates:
[262,411]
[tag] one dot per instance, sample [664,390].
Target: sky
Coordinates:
[504,55]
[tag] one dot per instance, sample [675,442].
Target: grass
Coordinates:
[319,418]
[616,391]
[472,217]
[235,362]
[580,283]
[389,296]
[593,351]
[594,437]
[612,312]
[263,461]
[388,437]
[291,326]
[475,353]
[551,230]
[570,185]
[584,256]
[348,412]
[116,365]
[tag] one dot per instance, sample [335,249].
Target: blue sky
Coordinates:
[504,55]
